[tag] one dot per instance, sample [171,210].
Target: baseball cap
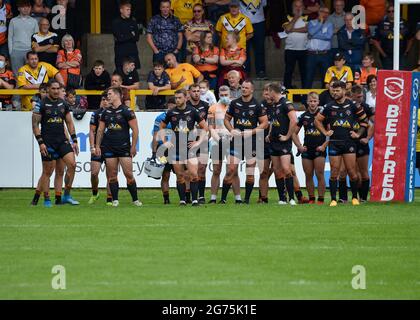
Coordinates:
[234,3]
[339,56]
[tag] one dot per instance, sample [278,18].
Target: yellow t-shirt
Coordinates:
[345,74]
[26,75]
[183,69]
[183,9]
[418,132]
[241,24]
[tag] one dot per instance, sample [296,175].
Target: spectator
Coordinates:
[340,71]
[205,93]
[7,81]
[384,37]
[126,34]
[45,43]
[326,95]
[216,8]
[42,93]
[69,60]
[371,92]
[232,58]
[97,79]
[116,81]
[5,16]
[234,82]
[40,10]
[181,75]
[164,33]
[68,22]
[320,33]
[337,20]
[195,27]
[183,9]
[375,11]
[206,58]
[157,80]
[296,44]
[351,42]
[234,21]
[367,69]
[254,10]
[129,74]
[74,101]
[417,37]
[33,74]
[311,8]
[21,28]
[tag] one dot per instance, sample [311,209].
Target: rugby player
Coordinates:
[114,143]
[282,118]
[313,149]
[96,162]
[249,122]
[220,144]
[203,108]
[340,117]
[362,144]
[184,145]
[51,113]
[156,143]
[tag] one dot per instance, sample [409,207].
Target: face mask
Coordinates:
[224,100]
[2,64]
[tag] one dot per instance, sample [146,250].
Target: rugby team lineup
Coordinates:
[242,132]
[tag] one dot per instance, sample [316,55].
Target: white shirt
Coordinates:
[297,40]
[208,97]
[370,100]
[253,9]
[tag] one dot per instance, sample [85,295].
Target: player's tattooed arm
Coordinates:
[36,120]
[100,135]
[135,136]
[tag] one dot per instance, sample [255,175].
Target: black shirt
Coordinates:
[182,121]
[130,78]
[325,97]
[117,129]
[279,119]
[94,119]
[44,40]
[266,107]
[202,107]
[245,114]
[94,82]
[126,34]
[53,114]
[385,35]
[313,137]
[341,118]
[369,113]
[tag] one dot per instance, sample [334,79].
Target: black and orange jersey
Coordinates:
[313,137]
[245,114]
[117,129]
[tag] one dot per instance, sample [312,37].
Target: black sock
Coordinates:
[311,198]
[202,187]
[94,192]
[354,187]
[333,189]
[187,194]
[248,190]
[365,189]
[280,189]
[194,189]
[166,195]
[299,194]
[259,194]
[342,189]
[225,190]
[132,188]
[113,186]
[58,199]
[290,188]
[321,199]
[181,191]
[109,198]
[36,198]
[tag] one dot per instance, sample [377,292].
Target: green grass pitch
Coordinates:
[210,252]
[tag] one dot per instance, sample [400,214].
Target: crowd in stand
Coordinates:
[198,41]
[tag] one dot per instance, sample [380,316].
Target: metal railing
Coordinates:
[135,93]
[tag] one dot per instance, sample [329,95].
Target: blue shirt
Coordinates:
[320,35]
[164,32]
[156,126]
